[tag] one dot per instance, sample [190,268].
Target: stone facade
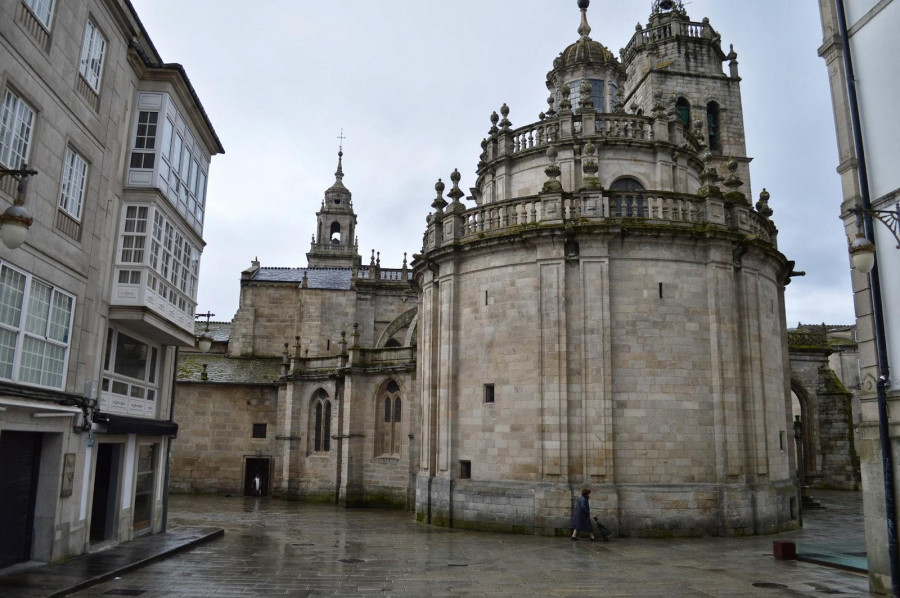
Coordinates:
[823,408]
[89,346]
[576,332]
[869,180]
[609,313]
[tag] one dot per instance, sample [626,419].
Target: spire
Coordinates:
[584,30]
[339,173]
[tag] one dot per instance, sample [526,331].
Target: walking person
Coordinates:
[581,516]
[257,485]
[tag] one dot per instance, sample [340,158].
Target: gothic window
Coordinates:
[684,111]
[389,417]
[626,183]
[335,233]
[320,421]
[712,126]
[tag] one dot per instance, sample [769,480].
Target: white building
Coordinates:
[871,176]
[95,302]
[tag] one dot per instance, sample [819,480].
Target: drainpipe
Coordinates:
[165,512]
[877,312]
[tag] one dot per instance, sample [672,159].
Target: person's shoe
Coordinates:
[593,539]
[573,538]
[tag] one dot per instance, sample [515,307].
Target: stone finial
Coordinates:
[343,342]
[439,202]
[732,55]
[732,62]
[541,116]
[305,282]
[378,260]
[590,167]
[355,334]
[495,118]
[455,193]
[404,261]
[505,124]
[638,27]
[284,354]
[762,206]
[550,101]
[372,260]
[204,375]
[552,185]
[585,100]
[566,91]
[733,183]
[297,346]
[584,30]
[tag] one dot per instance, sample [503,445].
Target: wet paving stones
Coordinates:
[274,548]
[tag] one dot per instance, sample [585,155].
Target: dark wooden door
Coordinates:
[20,459]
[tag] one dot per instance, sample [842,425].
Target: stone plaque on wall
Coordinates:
[68,475]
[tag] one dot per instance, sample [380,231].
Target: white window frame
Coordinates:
[145,389]
[16,127]
[74,181]
[93,52]
[42,11]
[20,314]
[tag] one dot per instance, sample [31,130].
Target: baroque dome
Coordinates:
[585,52]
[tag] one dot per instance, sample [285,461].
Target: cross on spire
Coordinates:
[341,137]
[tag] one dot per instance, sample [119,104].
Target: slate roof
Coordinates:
[316,278]
[221,331]
[227,370]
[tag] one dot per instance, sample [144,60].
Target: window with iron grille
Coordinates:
[259,430]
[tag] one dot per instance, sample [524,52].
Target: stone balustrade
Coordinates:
[606,126]
[611,205]
[389,274]
[667,31]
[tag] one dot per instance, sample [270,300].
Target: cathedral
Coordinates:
[605,311]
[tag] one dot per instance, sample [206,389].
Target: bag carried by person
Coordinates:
[605,532]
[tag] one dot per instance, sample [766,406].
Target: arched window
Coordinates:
[684,111]
[392,342]
[712,126]
[335,233]
[390,409]
[320,422]
[626,183]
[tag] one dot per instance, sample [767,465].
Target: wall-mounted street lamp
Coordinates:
[862,251]
[15,221]
[204,341]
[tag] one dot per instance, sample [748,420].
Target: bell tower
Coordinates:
[334,244]
[678,65]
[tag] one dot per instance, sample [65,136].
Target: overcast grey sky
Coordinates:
[413,83]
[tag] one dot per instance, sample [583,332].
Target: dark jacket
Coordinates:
[581,517]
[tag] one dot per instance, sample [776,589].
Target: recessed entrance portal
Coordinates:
[106,485]
[256,466]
